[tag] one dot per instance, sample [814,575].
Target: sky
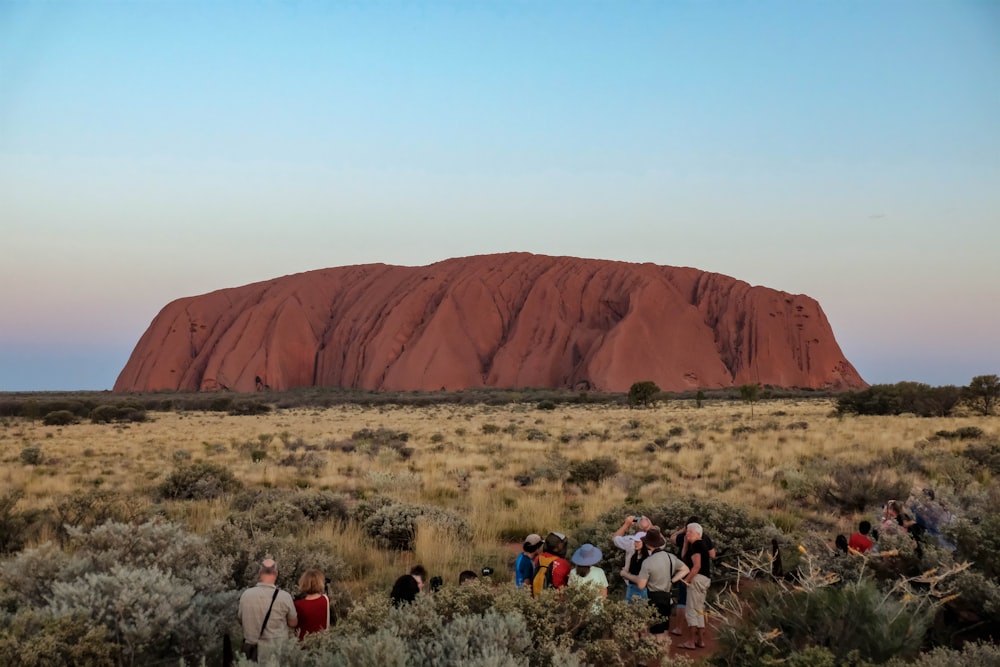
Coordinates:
[152,150]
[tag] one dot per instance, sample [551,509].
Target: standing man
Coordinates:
[679,538]
[697,581]
[660,569]
[266,612]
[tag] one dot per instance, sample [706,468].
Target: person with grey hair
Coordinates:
[697,580]
[266,612]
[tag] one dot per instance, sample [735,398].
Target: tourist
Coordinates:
[697,580]
[313,608]
[266,613]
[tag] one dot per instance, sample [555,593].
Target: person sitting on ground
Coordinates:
[894,520]
[466,576]
[266,613]
[524,566]
[313,608]
[860,541]
[408,586]
[586,572]
[840,543]
[697,580]
[658,573]
[552,564]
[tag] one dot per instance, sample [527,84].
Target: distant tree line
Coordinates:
[980,395]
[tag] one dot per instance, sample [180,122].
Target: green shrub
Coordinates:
[59,418]
[546,405]
[471,625]
[978,654]
[594,470]
[92,507]
[159,591]
[12,522]
[394,525]
[39,639]
[852,618]
[31,455]
[902,397]
[123,412]
[969,433]
[852,487]
[244,408]
[201,480]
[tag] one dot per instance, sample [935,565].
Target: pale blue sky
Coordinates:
[845,150]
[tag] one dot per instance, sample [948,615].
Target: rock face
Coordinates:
[511,320]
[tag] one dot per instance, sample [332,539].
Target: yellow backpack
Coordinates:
[543,574]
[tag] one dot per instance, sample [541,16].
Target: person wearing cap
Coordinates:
[628,544]
[586,572]
[660,569]
[552,562]
[697,580]
[524,566]
[633,564]
[266,613]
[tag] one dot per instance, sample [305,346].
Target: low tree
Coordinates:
[982,393]
[642,393]
[750,393]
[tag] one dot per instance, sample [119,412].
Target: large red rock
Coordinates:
[511,320]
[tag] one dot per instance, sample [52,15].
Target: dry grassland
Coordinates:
[465,458]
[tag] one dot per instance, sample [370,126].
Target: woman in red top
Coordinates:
[314,607]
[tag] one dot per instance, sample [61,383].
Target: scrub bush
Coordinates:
[59,418]
[31,455]
[594,470]
[39,639]
[155,590]
[394,525]
[844,619]
[201,480]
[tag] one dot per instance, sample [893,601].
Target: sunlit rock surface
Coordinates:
[509,320]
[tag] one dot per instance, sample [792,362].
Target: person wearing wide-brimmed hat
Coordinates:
[586,573]
[658,573]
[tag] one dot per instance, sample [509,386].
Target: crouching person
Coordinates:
[266,612]
[660,569]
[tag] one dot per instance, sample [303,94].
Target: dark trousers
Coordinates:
[663,604]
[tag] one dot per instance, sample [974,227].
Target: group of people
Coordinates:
[267,612]
[651,571]
[894,521]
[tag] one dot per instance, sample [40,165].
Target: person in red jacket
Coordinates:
[552,564]
[860,541]
[313,607]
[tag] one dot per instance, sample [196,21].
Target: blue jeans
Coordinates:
[633,591]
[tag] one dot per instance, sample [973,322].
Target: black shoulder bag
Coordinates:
[250,650]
